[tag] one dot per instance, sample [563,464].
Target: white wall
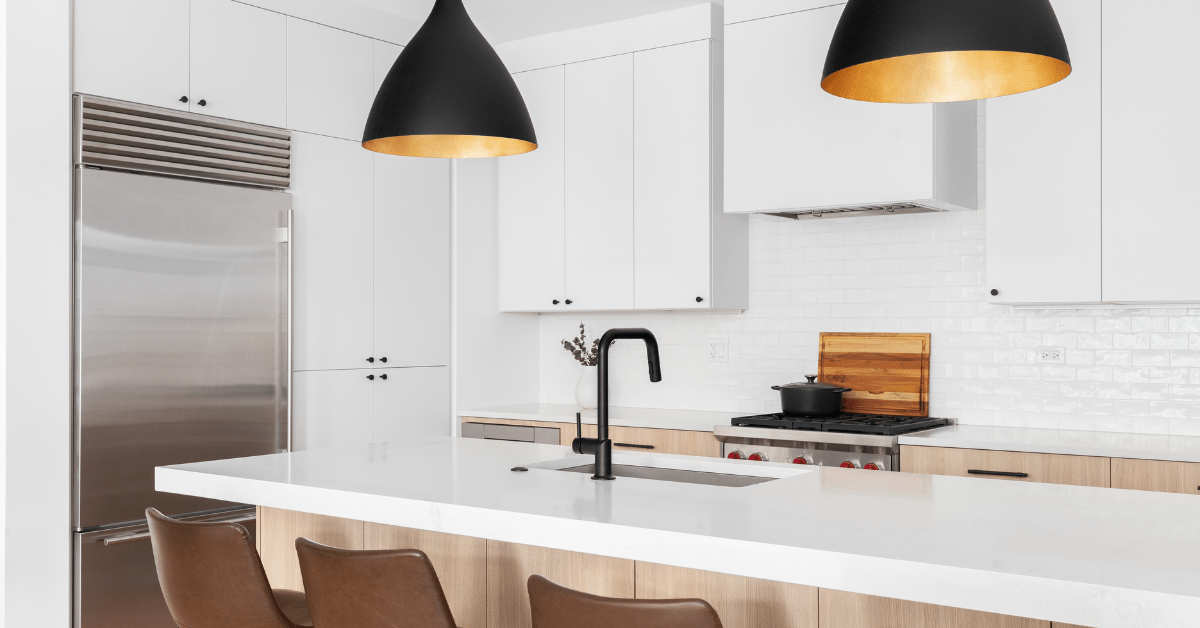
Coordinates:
[497,353]
[37,520]
[1127,370]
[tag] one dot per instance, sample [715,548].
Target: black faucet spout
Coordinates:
[601,446]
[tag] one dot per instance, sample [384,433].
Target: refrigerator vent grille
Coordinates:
[126,136]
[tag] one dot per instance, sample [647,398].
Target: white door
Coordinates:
[599,184]
[411,403]
[332,409]
[790,144]
[384,56]
[239,62]
[329,80]
[333,267]
[135,50]
[412,260]
[1043,178]
[1151,209]
[532,237]
[672,196]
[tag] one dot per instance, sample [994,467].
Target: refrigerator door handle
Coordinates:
[137,536]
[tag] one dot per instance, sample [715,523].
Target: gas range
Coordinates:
[857,441]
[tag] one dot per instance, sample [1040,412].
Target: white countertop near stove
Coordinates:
[1074,443]
[1095,557]
[688,420]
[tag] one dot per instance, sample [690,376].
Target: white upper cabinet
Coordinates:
[1151,209]
[134,50]
[1043,178]
[238,62]
[333,265]
[532,236]
[599,184]
[384,56]
[412,261]
[329,80]
[672,177]
[791,146]
[411,403]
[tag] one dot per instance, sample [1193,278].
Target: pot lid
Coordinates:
[812,383]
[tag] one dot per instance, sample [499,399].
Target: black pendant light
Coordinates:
[912,51]
[449,95]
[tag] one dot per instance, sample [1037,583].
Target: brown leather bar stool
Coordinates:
[211,577]
[372,588]
[556,606]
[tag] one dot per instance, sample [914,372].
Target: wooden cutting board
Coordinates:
[889,373]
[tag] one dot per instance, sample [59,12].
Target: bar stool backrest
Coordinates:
[555,606]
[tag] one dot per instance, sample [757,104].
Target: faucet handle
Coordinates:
[578,426]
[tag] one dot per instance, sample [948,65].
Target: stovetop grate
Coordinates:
[886,425]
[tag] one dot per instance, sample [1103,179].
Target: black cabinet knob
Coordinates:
[371,360]
[183,99]
[568,301]
[384,376]
[555,302]
[202,102]
[383,359]
[699,299]
[995,292]
[371,377]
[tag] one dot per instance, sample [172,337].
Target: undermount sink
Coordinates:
[675,475]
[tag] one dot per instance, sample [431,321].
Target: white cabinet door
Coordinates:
[672,185]
[1151,209]
[599,184]
[412,260]
[332,409]
[332,200]
[788,144]
[1043,178]
[384,56]
[238,62]
[532,237]
[135,50]
[329,80]
[411,403]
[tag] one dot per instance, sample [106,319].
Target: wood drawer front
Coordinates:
[509,566]
[740,602]
[276,539]
[1047,468]
[1156,475]
[685,442]
[566,431]
[460,563]
[852,610]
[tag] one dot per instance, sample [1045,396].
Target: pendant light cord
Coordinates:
[454,423]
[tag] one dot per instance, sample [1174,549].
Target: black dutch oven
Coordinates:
[810,398]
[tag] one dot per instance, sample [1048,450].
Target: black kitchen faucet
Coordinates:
[601,446]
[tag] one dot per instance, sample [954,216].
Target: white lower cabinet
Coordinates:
[355,407]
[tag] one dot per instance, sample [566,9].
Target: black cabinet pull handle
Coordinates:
[699,299]
[568,301]
[633,445]
[370,359]
[995,292]
[555,302]
[384,376]
[383,359]
[1008,474]
[202,102]
[183,99]
[371,377]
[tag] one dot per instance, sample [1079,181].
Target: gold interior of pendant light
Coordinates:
[946,76]
[444,146]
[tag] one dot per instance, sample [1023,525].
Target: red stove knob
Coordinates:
[849,464]
[802,460]
[759,457]
[736,455]
[873,466]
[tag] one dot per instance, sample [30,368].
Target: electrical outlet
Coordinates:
[718,349]
[1051,355]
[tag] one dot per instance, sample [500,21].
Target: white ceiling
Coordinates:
[507,20]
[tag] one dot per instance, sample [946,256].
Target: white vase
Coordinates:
[585,390]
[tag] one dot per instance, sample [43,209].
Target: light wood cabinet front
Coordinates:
[277,534]
[1001,465]
[740,602]
[460,563]
[839,609]
[509,567]
[1156,475]
[683,442]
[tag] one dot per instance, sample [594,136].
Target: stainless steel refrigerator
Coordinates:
[181,295]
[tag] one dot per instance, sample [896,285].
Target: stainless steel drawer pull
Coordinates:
[632,445]
[125,538]
[1009,474]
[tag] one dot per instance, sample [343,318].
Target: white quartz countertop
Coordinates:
[688,420]
[1074,443]
[1095,557]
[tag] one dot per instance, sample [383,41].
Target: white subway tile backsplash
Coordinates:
[1126,369]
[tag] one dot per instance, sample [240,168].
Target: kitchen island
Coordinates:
[813,546]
